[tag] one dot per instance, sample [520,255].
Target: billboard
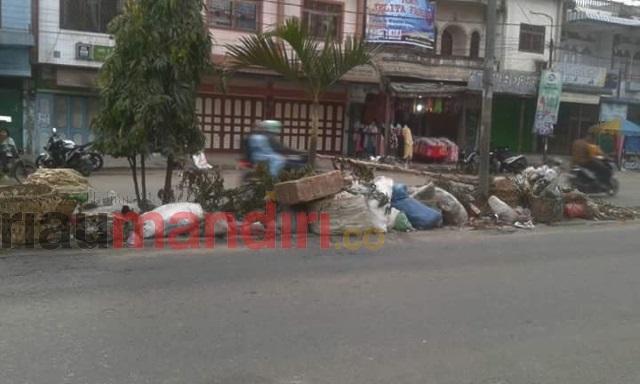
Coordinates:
[548,102]
[401,22]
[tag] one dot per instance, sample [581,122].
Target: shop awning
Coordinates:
[582,14]
[426,89]
[623,127]
[579,98]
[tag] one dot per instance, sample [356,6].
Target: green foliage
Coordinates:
[316,65]
[148,84]
[290,51]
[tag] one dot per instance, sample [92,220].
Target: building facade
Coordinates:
[16,42]
[435,89]
[71,46]
[599,56]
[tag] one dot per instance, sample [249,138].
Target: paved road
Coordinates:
[552,306]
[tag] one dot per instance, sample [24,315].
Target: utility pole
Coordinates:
[487,98]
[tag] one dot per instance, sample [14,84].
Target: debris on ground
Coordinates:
[67,182]
[309,188]
[38,200]
[420,216]
[347,211]
[454,213]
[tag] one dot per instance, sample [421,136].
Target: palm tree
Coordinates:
[292,52]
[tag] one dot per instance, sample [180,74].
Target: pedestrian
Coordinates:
[408,145]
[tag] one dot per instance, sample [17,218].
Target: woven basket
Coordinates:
[547,210]
[31,199]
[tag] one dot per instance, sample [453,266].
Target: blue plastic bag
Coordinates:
[420,216]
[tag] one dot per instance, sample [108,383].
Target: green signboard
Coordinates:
[101,52]
[90,52]
[548,102]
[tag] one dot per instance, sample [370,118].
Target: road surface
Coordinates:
[558,305]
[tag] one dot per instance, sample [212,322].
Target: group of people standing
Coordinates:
[370,140]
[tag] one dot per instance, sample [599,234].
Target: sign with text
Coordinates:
[613,111]
[586,75]
[508,82]
[401,22]
[88,52]
[549,95]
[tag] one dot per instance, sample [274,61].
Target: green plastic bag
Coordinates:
[402,223]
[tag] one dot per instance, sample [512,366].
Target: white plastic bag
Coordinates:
[167,212]
[200,161]
[380,212]
[505,213]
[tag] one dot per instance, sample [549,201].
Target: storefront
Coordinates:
[429,109]
[15,71]
[514,108]
[227,118]
[68,102]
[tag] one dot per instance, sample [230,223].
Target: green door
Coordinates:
[11,105]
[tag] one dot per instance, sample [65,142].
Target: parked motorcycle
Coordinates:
[61,153]
[501,160]
[586,181]
[508,162]
[13,165]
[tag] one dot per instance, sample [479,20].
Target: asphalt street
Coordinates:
[557,305]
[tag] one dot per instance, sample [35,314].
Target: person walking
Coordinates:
[407,137]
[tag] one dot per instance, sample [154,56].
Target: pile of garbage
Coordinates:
[45,192]
[361,202]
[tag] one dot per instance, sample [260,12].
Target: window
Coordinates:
[234,14]
[532,38]
[446,46]
[322,19]
[88,15]
[474,52]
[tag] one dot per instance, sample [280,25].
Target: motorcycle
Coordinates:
[508,162]
[501,160]
[13,165]
[586,181]
[61,153]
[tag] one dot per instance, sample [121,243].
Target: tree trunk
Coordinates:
[313,140]
[134,174]
[143,175]
[167,194]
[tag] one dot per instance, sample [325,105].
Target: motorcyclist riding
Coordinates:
[587,154]
[263,146]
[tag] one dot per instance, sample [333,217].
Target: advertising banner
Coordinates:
[548,102]
[612,111]
[586,75]
[401,22]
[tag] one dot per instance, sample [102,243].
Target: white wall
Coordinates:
[520,12]
[292,8]
[468,17]
[52,38]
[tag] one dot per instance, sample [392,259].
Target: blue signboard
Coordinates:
[401,22]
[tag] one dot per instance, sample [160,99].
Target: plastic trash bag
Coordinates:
[379,203]
[453,211]
[166,213]
[200,161]
[402,223]
[346,211]
[505,213]
[420,216]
